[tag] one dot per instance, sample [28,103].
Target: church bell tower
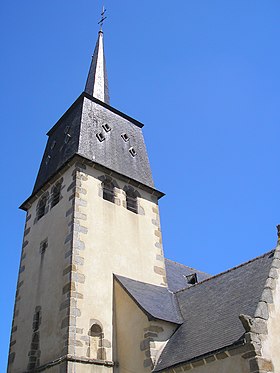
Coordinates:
[93,214]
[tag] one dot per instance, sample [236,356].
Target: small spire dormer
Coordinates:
[97,81]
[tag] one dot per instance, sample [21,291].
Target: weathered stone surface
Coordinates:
[68,287]
[267,296]
[155,222]
[249,354]
[80,228]
[106,343]
[26,232]
[210,359]
[178,369]
[147,363]
[270,283]
[154,328]
[159,270]
[79,260]
[78,277]
[74,342]
[150,334]
[186,367]
[273,273]
[145,344]
[75,312]
[78,245]
[198,363]
[75,295]
[160,258]
[259,326]
[80,202]
[70,268]
[221,355]
[262,311]
[22,269]
[158,233]
[79,215]
[259,363]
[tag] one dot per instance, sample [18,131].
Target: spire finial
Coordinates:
[102,18]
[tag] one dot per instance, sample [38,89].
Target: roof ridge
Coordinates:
[184,265]
[228,270]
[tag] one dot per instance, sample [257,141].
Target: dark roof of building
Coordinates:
[176,275]
[156,301]
[76,133]
[211,311]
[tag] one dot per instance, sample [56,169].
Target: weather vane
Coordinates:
[102,18]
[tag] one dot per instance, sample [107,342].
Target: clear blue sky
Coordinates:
[204,78]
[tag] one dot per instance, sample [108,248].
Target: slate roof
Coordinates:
[97,80]
[75,133]
[156,301]
[211,309]
[176,275]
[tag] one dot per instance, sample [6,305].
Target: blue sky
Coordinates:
[204,78]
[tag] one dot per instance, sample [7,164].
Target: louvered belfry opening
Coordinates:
[131,201]
[41,208]
[108,191]
[56,194]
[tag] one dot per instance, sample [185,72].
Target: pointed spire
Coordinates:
[97,81]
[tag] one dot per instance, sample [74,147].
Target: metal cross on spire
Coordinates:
[102,18]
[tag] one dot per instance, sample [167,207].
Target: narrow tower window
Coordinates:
[56,193]
[108,190]
[131,201]
[42,207]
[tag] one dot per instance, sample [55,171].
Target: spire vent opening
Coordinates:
[48,159]
[67,138]
[132,151]
[106,127]
[53,144]
[124,137]
[100,136]
[192,279]
[66,130]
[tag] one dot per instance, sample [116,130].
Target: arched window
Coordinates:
[131,200]
[42,207]
[108,190]
[96,342]
[56,192]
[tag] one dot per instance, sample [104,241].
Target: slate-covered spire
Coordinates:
[97,82]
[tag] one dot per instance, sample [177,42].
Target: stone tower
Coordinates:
[93,214]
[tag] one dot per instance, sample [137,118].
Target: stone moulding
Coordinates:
[27,203]
[223,353]
[70,358]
